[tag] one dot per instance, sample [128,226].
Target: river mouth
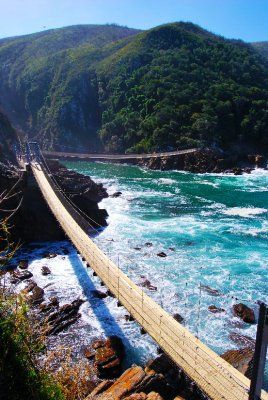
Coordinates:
[213,230]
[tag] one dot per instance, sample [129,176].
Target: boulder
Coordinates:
[242,340]
[45,270]
[49,306]
[23,264]
[99,294]
[244,312]
[36,296]
[50,255]
[21,275]
[211,291]
[29,287]
[241,359]
[133,381]
[147,284]
[178,318]
[116,194]
[216,310]
[109,356]
[161,254]
[62,318]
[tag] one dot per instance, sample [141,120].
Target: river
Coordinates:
[213,229]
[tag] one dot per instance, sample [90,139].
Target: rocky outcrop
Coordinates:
[241,359]
[206,160]
[58,320]
[33,221]
[107,355]
[160,379]
[244,312]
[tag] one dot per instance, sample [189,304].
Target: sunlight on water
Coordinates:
[214,230]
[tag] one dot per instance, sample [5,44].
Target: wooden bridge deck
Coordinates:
[218,379]
[115,157]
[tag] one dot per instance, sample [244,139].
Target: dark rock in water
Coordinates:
[23,264]
[171,248]
[240,359]
[161,254]
[178,318]
[61,319]
[49,306]
[30,285]
[99,294]
[242,340]
[137,248]
[36,296]
[109,356]
[45,270]
[116,194]
[216,310]
[211,291]
[22,275]
[50,255]
[147,284]
[237,171]
[148,244]
[244,312]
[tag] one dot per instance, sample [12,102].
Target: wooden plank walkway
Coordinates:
[218,379]
[116,157]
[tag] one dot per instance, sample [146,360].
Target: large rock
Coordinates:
[244,312]
[241,359]
[20,276]
[133,380]
[109,356]
[36,296]
[61,319]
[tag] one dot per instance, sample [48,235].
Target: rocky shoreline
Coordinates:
[33,221]
[207,160]
[158,379]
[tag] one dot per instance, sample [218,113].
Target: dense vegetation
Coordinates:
[7,138]
[173,86]
[262,48]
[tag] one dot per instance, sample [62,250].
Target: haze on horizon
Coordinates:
[239,19]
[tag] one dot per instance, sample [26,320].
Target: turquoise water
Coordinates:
[214,230]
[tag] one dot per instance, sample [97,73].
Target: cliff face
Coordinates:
[8,138]
[34,221]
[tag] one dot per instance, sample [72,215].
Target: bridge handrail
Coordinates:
[129,156]
[218,379]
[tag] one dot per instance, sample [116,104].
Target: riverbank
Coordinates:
[33,220]
[82,322]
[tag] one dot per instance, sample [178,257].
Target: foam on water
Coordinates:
[245,211]
[214,230]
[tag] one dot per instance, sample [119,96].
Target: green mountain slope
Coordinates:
[261,47]
[173,86]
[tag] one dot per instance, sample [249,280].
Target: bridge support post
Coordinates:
[259,354]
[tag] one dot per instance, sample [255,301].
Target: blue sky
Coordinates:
[243,19]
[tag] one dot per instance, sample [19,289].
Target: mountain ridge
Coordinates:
[92,86]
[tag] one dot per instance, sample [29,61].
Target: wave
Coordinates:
[246,212]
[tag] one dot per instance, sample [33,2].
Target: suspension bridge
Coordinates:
[115,157]
[213,375]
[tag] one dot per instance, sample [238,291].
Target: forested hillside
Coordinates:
[116,89]
[262,48]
